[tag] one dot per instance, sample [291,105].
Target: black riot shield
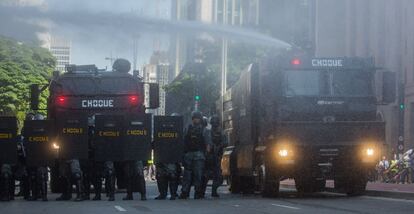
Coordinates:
[38,143]
[168,139]
[137,138]
[108,144]
[72,137]
[8,140]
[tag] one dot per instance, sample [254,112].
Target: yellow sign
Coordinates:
[167,134]
[72,130]
[137,132]
[5,135]
[109,133]
[39,139]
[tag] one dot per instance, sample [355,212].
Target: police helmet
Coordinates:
[91,120]
[30,116]
[215,120]
[197,114]
[121,65]
[39,117]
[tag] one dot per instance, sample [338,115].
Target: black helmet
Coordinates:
[197,114]
[121,65]
[30,116]
[215,120]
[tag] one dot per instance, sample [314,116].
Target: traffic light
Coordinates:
[197,97]
[402,106]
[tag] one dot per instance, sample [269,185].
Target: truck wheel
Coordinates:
[270,184]
[352,186]
[234,184]
[247,185]
[356,187]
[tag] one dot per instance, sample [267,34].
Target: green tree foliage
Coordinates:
[20,66]
[204,78]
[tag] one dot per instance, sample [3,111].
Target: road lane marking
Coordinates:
[285,206]
[236,205]
[120,209]
[388,199]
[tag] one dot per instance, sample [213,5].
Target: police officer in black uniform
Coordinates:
[38,177]
[196,142]
[213,156]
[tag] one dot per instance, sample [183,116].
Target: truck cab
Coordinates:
[305,118]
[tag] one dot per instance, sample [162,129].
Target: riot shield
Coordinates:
[38,142]
[72,137]
[168,139]
[8,140]
[108,144]
[137,138]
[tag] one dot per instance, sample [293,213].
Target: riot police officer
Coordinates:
[213,156]
[100,170]
[196,141]
[6,160]
[134,171]
[38,176]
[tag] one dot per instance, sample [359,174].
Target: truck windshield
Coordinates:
[92,86]
[328,83]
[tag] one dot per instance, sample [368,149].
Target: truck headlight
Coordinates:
[283,153]
[55,146]
[370,152]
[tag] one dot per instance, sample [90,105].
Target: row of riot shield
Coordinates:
[120,138]
[115,138]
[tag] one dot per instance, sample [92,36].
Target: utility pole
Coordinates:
[224,49]
[401,121]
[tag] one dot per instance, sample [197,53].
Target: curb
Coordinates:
[374,193]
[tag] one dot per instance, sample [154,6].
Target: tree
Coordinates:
[20,66]
[204,79]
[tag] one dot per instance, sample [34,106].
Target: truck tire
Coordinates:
[234,184]
[352,185]
[247,185]
[270,184]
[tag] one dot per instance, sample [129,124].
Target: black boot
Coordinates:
[183,195]
[162,185]
[129,187]
[173,189]
[66,191]
[4,189]
[112,188]
[214,193]
[143,189]
[98,189]
[79,190]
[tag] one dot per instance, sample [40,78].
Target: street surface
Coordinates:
[289,202]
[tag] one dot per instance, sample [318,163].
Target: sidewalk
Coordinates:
[372,186]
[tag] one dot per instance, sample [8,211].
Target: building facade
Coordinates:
[374,28]
[61,50]
[157,71]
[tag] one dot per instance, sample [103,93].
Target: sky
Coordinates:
[99,29]
[92,45]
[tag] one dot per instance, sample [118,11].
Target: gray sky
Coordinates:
[90,43]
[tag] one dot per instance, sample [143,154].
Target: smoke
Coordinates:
[118,25]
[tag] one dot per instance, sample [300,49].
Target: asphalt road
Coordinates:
[289,202]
